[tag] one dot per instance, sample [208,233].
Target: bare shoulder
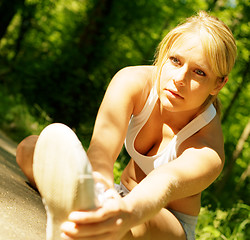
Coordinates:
[212,136]
[203,154]
[139,76]
[208,141]
[134,82]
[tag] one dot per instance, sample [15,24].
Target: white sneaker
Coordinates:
[63,176]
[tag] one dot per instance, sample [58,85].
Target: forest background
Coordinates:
[57,58]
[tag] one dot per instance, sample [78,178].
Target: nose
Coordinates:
[180,76]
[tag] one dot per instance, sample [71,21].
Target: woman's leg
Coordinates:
[24,157]
[63,176]
[164,226]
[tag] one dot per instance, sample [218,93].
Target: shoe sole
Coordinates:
[63,176]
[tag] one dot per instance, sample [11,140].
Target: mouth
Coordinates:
[173,93]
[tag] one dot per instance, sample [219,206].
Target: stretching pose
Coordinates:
[168,116]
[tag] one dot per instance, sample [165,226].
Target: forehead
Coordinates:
[190,47]
[187,44]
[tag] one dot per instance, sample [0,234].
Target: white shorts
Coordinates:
[188,222]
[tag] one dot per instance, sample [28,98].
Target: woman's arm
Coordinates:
[192,172]
[122,97]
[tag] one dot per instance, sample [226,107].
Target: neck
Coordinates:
[177,120]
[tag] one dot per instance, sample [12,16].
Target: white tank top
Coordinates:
[148,163]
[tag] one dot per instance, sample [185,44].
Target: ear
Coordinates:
[219,85]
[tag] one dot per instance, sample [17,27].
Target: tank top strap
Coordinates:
[170,152]
[148,107]
[195,125]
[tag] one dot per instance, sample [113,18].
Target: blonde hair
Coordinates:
[217,40]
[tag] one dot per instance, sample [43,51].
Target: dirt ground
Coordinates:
[22,215]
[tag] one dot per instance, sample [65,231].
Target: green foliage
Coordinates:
[57,58]
[235,101]
[91,41]
[16,118]
[120,164]
[224,225]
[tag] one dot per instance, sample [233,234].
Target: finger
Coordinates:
[90,230]
[106,236]
[81,217]
[70,228]
[108,210]
[66,237]
[108,226]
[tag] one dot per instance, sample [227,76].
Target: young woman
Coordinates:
[168,116]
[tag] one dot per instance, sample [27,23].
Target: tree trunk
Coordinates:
[27,15]
[243,177]
[239,147]
[8,10]
[94,32]
[92,44]
[241,86]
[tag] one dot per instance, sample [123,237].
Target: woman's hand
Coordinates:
[110,221]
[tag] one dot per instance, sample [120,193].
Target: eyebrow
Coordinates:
[202,66]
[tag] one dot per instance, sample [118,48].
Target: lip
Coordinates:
[173,93]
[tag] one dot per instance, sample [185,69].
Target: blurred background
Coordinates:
[57,58]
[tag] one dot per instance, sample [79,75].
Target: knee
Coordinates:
[25,151]
[139,232]
[24,157]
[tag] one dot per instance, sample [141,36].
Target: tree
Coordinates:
[231,163]
[7,11]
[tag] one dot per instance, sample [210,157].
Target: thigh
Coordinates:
[164,226]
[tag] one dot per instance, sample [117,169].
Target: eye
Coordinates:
[200,72]
[175,60]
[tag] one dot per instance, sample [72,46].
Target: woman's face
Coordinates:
[186,78]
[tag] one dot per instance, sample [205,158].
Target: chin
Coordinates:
[168,106]
[179,107]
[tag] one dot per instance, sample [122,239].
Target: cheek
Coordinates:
[195,86]
[164,78]
[167,70]
[200,86]
[199,91]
